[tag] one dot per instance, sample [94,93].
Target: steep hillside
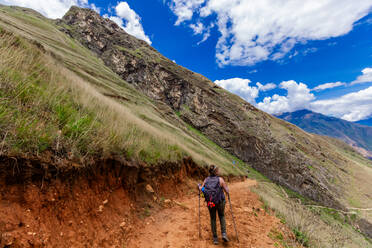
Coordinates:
[82,101]
[86,110]
[354,134]
[282,152]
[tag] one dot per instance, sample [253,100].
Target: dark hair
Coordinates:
[213,170]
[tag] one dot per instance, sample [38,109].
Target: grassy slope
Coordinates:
[54,101]
[313,226]
[327,161]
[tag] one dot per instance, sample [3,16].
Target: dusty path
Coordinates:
[177,225]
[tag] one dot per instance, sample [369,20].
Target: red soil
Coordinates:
[177,226]
[114,209]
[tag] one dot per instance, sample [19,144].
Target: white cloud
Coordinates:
[366,76]
[352,107]
[52,8]
[266,87]
[253,31]
[184,9]
[126,17]
[95,8]
[197,28]
[205,37]
[240,87]
[328,86]
[115,19]
[130,21]
[298,97]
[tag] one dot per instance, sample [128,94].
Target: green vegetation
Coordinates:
[137,53]
[52,99]
[234,162]
[294,195]
[39,112]
[301,237]
[281,240]
[313,226]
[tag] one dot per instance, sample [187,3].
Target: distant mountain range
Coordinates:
[359,136]
[367,122]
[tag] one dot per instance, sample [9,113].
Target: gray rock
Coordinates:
[226,119]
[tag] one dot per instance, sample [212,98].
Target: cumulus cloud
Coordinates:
[95,8]
[266,87]
[240,86]
[352,107]
[53,8]
[253,31]
[328,86]
[125,16]
[298,97]
[366,76]
[130,21]
[197,28]
[184,9]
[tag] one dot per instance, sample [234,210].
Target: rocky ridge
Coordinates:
[226,119]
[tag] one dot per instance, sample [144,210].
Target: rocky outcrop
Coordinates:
[226,119]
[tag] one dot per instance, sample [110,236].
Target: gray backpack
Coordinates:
[212,191]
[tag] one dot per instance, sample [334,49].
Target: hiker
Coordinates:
[215,198]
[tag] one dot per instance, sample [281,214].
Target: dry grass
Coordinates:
[45,105]
[313,227]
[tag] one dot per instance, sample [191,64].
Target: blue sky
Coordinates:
[279,55]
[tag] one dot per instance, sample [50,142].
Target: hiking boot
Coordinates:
[225,238]
[215,240]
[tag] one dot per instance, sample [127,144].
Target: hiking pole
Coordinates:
[236,231]
[199,214]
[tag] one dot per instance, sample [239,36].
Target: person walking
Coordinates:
[213,189]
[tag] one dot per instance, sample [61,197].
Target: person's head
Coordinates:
[213,170]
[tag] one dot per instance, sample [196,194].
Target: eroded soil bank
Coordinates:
[43,204]
[115,203]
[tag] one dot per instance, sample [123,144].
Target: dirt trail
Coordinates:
[177,225]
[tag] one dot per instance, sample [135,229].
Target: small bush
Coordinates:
[301,237]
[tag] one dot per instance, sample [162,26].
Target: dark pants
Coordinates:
[220,208]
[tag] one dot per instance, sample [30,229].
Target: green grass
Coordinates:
[312,226]
[239,164]
[137,53]
[301,237]
[281,241]
[53,101]
[39,114]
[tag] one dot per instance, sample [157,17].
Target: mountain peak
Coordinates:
[354,134]
[96,32]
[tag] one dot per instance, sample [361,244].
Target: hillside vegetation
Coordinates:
[67,102]
[80,89]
